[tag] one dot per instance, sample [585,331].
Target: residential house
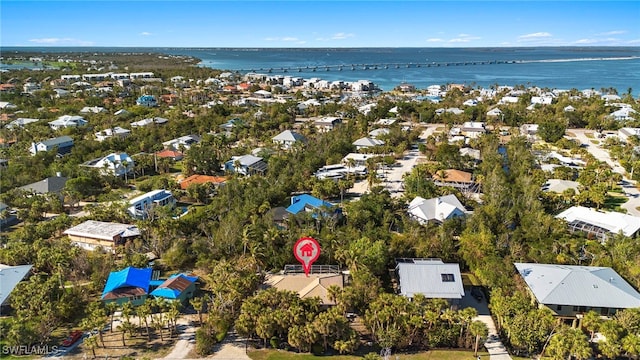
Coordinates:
[149,121]
[66,121]
[366,142]
[174,155]
[559,186]
[308,203]
[494,112]
[142,206]
[179,287]
[430,277]
[570,291]
[5,105]
[91,235]
[246,165]
[114,132]
[50,185]
[118,164]
[473,129]
[287,139]
[624,114]
[528,129]
[379,132]
[147,100]
[327,123]
[183,142]
[625,133]
[436,210]
[8,217]
[599,224]
[92,109]
[20,122]
[128,285]
[62,145]
[11,277]
[315,285]
[202,179]
[455,178]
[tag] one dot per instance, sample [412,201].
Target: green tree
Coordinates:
[551,130]
[479,330]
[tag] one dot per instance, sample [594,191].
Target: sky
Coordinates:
[277,24]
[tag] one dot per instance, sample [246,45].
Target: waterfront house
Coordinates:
[142,206]
[430,277]
[570,291]
[91,235]
[599,224]
[62,145]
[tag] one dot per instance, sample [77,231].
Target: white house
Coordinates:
[436,209]
[600,224]
[508,100]
[117,164]
[287,139]
[473,129]
[625,133]
[66,121]
[494,112]
[92,109]
[148,121]
[327,123]
[623,114]
[182,142]
[378,132]
[140,207]
[20,122]
[116,132]
[366,142]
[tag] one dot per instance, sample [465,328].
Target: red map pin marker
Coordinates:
[307,251]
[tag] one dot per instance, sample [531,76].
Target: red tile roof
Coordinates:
[201,179]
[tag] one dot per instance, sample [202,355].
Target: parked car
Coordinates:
[73,338]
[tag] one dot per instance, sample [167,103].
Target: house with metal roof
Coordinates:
[308,203]
[570,291]
[91,235]
[367,142]
[147,100]
[10,276]
[117,164]
[129,284]
[287,139]
[178,287]
[430,277]
[62,145]
[599,224]
[246,165]
[436,209]
[66,121]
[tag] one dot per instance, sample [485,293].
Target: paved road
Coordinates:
[628,185]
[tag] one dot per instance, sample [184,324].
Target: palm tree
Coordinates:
[479,330]
[111,308]
[631,345]
[197,303]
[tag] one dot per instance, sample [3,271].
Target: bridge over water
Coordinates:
[377,66]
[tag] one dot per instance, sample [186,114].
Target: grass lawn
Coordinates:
[433,354]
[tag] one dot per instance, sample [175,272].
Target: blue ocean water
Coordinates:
[552,67]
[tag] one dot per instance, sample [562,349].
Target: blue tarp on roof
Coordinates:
[128,277]
[300,202]
[172,292]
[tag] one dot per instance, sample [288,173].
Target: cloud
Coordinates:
[614,32]
[61,41]
[341,36]
[464,38]
[587,41]
[535,36]
[285,38]
[435,40]
[145,33]
[634,41]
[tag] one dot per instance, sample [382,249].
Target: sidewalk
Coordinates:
[494,346]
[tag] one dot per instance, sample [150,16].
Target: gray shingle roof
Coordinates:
[578,286]
[52,184]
